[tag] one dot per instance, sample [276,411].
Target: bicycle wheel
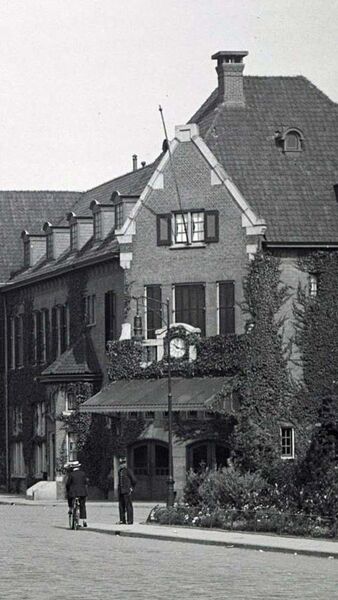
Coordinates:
[75,516]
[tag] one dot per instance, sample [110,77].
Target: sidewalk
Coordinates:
[228,539]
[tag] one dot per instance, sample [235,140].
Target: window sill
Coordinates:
[89,325]
[187,246]
[287,457]
[16,476]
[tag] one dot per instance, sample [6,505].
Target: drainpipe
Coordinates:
[6,393]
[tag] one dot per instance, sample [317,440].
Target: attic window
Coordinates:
[73,236]
[97,225]
[50,246]
[27,253]
[290,139]
[292,142]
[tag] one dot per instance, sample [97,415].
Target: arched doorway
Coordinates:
[207,453]
[149,460]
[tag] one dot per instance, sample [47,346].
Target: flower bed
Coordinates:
[268,520]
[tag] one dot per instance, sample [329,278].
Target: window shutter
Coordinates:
[163,223]
[110,316]
[226,301]
[47,336]
[54,348]
[211,226]
[39,337]
[154,310]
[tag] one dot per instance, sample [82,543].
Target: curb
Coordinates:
[226,544]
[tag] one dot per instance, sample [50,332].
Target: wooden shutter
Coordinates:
[226,299]
[163,224]
[110,315]
[54,345]
[190,305]
[211,233]
[47,336]
[154,309]
[63,328]
[39,335]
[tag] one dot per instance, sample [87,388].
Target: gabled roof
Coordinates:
[79,361]
[292,191]
[26,210]
[129,184]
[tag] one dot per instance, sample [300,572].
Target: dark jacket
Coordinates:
[76,484]
[127,481]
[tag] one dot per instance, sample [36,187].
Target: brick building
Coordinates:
[255,168]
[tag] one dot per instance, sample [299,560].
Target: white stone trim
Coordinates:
[253,224]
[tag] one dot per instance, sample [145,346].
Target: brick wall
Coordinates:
[225,260]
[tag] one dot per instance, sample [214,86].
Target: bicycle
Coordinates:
[74,516]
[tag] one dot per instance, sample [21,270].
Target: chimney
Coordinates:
[134,162]
[229,69]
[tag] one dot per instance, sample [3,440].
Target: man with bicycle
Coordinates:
[76,487]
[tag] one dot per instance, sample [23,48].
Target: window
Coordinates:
[73,236]
[89,309]
[292,142]
[27,254]
[187,228]
[12,342]
[40,336]
[39,419]
[19,354]
[190,305]
[98,225]
[118,215]
[50,246]
[226,307]
[287,442]
[17,420]
[110,316]
[71,446]
[153,310]
[40,459]
[71,403]
[17,460]
[313,285]
[60,330]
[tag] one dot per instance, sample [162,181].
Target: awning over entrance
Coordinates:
[140,395]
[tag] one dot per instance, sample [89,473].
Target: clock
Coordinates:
[177,347]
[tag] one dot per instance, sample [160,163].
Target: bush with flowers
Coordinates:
[228,499]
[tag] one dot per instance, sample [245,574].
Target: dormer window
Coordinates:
[292,142]
[291,139]
[26,254]
[73,237]
[50,246]
[97,226]
[119,215]
[104,219]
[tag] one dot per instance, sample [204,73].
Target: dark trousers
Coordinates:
[83,510]
[126,506]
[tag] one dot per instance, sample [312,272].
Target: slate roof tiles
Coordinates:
[292,191]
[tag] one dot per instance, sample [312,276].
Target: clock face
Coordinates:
[177,347]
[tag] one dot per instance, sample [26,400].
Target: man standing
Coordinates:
[126,485]
[76,487]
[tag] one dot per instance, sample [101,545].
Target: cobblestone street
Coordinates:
[41,558]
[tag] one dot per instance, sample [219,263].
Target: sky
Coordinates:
[81,80]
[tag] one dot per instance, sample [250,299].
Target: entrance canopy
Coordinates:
[140,395]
